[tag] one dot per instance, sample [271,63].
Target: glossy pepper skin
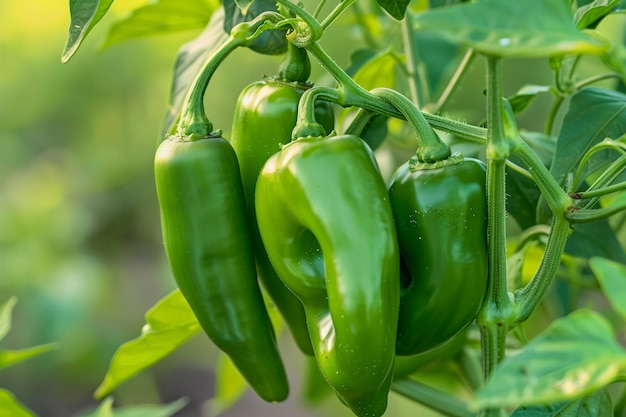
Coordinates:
[441,220]
[207,244]
[325,219]
[265,115]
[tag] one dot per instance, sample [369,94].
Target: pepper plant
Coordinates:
[496,248]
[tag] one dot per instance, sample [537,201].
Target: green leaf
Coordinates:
[525,95]
[229,385]
[161,17]
[170,323]
[379,71]
[106,410]
[12,357]
[190,58]
[11,407]
[5,316]
[612,278]
[595,239]
[596,405]
[506,28]
[396,8]
[270,42]
[591,14]
[574,356]
[593,115]
[84,15]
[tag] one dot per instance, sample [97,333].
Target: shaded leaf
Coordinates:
[11,407]
[379,71]
[84,15]
[612,278]
[12,357]
[595,239]
[159,410]
[593,115]
[190,58]
[574,356]
[270,42]
[161,17]
[396,8]
[5,316]
[592,13]
[596,405]
[505,28]
[170,323]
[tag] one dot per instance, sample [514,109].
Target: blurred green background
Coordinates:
[80,241]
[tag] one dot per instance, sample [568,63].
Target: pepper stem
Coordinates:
[295,66]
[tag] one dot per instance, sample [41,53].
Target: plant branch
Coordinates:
[432,398]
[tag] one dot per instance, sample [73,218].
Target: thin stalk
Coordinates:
[417,86]
[319,8]
[454,81]
[556,106]
[193,121]
[592,215]
[595,79]
[558,200]
[432,398]
[528,297]
[336,12]
[353,94]
[599,192]
[607,177]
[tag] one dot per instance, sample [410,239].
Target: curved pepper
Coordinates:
[208,247]
[441,220]
[324,216]
[264,117]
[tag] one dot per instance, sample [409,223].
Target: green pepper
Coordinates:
[324,216]
[440,211]
[264,117]
[205,232]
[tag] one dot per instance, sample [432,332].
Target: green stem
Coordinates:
[607,177]
[599,192]
[430,147]
[592,215]
[493,318]
[306,123]
[604,145]
[417,87]
[432,398]
[302,36]
[454,81]
[193,121]
[518,169]
[558,200]
[528,297]
[472,369]
[556,106]
[336,12]
[353,94]
[319,8]
[595,79]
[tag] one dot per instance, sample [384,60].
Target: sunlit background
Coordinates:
[80,241]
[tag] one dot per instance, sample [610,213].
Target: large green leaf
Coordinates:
[12,357]
[612,278]
[84,15]
[170,323]
[190,58]
[506,28]
[163,16]
[595,239]
[5,316]
[596,405]
[11,407]
[593,115]
[574,356]
[105,409]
